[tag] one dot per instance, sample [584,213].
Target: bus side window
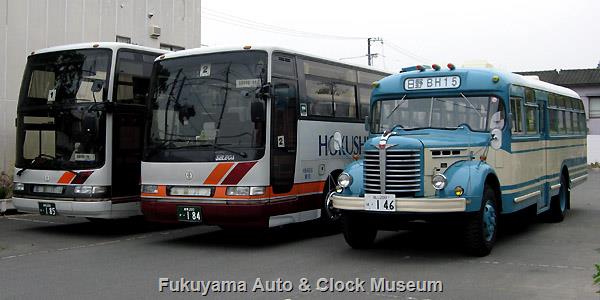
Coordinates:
[133,77]
[365,101]
[516,113]
[344,101]
[318,94]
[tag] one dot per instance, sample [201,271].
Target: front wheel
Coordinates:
[358,232]
[482,227]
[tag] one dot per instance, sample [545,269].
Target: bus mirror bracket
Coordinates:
[496,139]
[264,92]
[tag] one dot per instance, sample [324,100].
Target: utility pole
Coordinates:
[369,55]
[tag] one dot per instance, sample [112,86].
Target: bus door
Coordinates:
[544,199]
[283,134]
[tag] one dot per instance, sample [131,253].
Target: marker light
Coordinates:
[149,188]
[420,68]
[247,47]
[436,67]
[18,186]
[495,78]
[438,181]
[451,66]
[458,191]
[344,180]
[161,57]
[375,84]
[95,45]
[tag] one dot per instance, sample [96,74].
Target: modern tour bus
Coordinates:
[464,145]
[249,136]
[80,124]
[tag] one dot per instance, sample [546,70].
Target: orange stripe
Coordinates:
[66,178]
[218,173]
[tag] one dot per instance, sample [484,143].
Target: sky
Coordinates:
[523,35]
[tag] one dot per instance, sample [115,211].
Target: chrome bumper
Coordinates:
[424,205]
[89,209]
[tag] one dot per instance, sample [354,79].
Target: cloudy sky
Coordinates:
[511,34]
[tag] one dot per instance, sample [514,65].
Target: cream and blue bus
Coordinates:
[466,145]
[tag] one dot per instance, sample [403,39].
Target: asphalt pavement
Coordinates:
[70,258]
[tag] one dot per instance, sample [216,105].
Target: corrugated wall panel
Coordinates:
[92,21]
[74,21]
[36,27]
[109,20]
[57,23]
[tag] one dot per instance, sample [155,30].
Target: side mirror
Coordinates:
[264,92]
[257,112]
[97,85]
[496,139]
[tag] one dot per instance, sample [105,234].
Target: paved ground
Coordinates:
[44,257]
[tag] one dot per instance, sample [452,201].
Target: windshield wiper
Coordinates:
[471,104]
[396,107]
[43,155]
[214,146]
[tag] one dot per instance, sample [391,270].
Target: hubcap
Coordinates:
[489,221]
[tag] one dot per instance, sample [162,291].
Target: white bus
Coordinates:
[80,121]
[241,137]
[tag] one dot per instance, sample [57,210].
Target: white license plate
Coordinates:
[430,83]
[378,202]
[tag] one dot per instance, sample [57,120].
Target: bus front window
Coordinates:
[202,108]
[58,126]
[478,113]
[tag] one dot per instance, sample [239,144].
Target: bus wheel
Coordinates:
[358,232]
[482,227]
[558,204]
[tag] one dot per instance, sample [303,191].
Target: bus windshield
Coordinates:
[201,108]
[58,125]
[438,112]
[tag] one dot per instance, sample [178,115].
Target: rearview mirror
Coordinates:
[496,139]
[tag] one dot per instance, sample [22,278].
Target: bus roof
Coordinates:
[104,45]
[270,49]
[478,77]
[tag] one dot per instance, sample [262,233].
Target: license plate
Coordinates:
[429,83]
[377,202]
[48,209]
[189,214]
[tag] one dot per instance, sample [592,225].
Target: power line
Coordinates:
[247,23]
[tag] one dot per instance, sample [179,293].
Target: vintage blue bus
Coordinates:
[465,145]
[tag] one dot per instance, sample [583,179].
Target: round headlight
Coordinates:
[438,181]
[344,180]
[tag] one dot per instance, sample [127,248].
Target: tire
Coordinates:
[560,203]
[481,228]
[358,233]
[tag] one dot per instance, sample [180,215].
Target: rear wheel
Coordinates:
[358,232]
[559,203]
[482,227]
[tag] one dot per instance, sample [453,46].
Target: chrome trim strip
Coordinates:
[578,179]
[427,205]
[525,197]
[555,187]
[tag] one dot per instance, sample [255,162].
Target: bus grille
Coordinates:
[402,172]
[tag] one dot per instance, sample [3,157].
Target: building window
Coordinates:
[171,47]
[594,107]
[123,39]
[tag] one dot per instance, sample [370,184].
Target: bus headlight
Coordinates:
[88,189]
[18,186]
[149,189]
[245,190]
[438,181]
[344,180]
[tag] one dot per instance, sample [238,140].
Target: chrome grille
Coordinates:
[402,172]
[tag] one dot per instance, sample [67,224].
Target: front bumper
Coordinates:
[89,209]
[418,205]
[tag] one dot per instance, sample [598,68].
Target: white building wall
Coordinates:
[28,25]
[593,124]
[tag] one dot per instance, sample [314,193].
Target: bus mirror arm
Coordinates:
[264,92]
